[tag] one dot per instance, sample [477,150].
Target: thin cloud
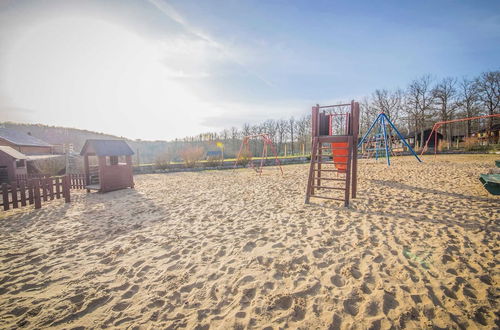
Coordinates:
[173,14]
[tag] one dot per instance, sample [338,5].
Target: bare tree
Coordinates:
[234,139]
[488,86]
[291,131]
[367,115]
[303,130]
[445,95]
[419,104]
[388,103]
[281,126]
[468,101]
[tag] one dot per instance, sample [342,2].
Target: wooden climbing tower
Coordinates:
[333,169]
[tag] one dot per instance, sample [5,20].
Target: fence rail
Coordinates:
[35,189]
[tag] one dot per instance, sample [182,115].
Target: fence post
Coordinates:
[50,182]
[36,191]
[22,188]
[58,188]
[13,192]
[30,192]
[43,184]
[66,189]
[5,195]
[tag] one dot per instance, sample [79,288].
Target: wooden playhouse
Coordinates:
[107,165]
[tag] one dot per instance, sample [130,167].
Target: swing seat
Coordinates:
[491,182]
[339,155]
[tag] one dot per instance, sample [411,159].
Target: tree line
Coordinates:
[413,109]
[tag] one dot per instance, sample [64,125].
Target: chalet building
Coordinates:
[20,153]
[24,143]
[12,163]
[410,138]
[494,135]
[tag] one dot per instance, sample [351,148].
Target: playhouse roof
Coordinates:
[12,152]
[21,139]
[107,148]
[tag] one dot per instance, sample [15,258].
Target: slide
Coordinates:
[340,155]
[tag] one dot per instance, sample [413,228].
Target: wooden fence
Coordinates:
[77,181]
[29,190]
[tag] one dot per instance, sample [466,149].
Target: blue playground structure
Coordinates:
[380,141]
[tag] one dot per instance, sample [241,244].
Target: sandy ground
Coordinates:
[418,248]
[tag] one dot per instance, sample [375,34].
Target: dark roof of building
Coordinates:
[107,148]
[21,139]
[12,152]
[494,128]
[426,132]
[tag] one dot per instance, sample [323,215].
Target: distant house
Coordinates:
[494,135]
[24,143]
[410,138]
[12,163]
[215,154]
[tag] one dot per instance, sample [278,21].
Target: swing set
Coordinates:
[437,125]
[245,152]
[381,143]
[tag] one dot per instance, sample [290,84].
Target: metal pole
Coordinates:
[368,132]
[403,139]
[385,141]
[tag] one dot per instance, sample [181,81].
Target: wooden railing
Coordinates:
[77,181]
[35,191]
[37,188]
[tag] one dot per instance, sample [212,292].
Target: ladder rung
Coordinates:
[332,198]
[323,187]
[332,179]
[330,163]
[326,170]
[330,148]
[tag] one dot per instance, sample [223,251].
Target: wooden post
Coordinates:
[50,182]
[355,132]
[36,189]
[348,171]
[43,184]
[13,191]
[22,188]
[58,188]
[86,169]
[31,198]
[66,189]
[5,196]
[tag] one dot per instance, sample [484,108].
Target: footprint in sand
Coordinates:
[131,292]
[249,246]
[337,280]
[283,303]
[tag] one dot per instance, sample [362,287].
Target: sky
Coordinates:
[160,69]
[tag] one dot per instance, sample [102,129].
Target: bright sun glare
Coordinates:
[105,73]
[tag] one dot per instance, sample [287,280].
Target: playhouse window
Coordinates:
[20,163]
[113,160]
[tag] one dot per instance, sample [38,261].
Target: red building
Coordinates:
[107,165]
[12,163]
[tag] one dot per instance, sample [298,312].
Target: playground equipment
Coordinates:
[375,144]
[491,182]
[441,123]
[245,152]
[334,135]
